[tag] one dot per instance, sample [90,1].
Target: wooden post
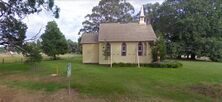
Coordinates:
[21,60]
[3,61]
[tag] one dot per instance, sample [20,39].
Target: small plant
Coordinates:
[33,53]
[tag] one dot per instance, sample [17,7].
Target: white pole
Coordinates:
[137,56]
[111,56]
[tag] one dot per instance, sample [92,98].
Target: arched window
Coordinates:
[123,49]
[108,49]
[140,48]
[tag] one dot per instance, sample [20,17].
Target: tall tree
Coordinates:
[53,41]
[12,29]
[106,12]
[190,26]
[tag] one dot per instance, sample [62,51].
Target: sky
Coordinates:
[72,15]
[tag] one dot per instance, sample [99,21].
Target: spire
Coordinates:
[142,12]
[142,16]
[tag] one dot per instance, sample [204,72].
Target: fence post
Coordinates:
[21,60]
[3,61]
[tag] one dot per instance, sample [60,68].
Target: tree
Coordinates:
[79,45]
[12,32]
[33,52]
[12,29]
[159,49]
[189,27]
[73,47]
[53,41]
[106,12]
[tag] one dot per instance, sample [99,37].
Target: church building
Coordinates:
[119,43]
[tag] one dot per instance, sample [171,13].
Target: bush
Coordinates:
[168,64]
[161,47]
[124,65]
[165,64]
[32,52]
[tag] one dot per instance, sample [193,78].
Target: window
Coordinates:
[123,50]
[108,48]
[140,48]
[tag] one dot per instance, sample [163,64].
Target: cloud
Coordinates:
[71,16]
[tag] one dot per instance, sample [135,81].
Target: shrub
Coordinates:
[32,52]
[124,65]
[161,47]
[166,64]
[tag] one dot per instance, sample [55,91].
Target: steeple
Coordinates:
[142,16]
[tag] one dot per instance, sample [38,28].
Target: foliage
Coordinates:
[79,45]
[108,11]
[124,65]
[32,52]
[154,53]
[12,12]
[188,25]
[159,49]
[163,64]
[215,54]
[2,49]
[73,47]
[53,41]
[12,32]
[166,64]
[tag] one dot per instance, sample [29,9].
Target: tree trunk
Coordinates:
[179,57]
[193,57]
[188,55]
[54,57]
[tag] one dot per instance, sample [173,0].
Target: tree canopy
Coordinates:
[53,41]
[190,27]
[73,47]
[12,12]
[107,11]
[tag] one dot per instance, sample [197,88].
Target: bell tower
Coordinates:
[142,16]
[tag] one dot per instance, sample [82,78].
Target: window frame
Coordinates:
[123,49]
[108,47]
[140,48]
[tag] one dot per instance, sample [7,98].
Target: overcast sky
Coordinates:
[71,16]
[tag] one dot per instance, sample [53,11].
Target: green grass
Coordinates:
[119,82]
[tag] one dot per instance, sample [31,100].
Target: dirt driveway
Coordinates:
[20,95]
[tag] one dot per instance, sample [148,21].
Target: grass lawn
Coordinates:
[195,81]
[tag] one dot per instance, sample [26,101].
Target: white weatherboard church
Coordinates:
[124,43]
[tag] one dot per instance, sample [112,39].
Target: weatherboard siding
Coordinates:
[90,53]
[131,56]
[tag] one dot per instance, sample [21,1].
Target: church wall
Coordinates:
[90,53]
[131,56]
